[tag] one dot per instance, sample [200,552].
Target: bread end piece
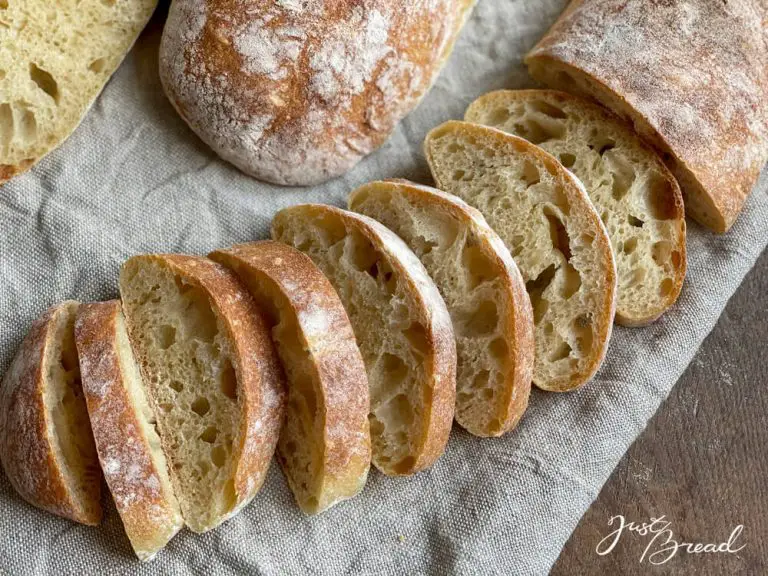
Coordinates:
[46,445]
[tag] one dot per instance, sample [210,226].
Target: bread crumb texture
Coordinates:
[55,58]
[637,198]
[298,91]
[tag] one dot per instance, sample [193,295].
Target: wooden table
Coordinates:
[702,462]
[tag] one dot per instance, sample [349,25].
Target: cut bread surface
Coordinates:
[325,445]
[46,445]
[561,247]
[400,323]
[212,375]
[482,288]
[123,424]
[637,197]
[55,58]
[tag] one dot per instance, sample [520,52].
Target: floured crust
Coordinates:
[693,78]
[260,389]
[439,383]
[26,450]
[517,317]
[605,307]
[323,330]
[141,490]
[298,91]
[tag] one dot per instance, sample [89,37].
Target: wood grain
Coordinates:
[702,461]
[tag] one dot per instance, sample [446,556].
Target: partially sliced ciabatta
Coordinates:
[46,446]
[401,324]
[55,58]
[482,288]
[635,194]
[561,247]
[212,376]
[325,444]
[123,424]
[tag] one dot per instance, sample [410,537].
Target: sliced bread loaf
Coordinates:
[55,58]
[123,425]
[325,444]
[635,194]
[46,445]
[482,288]
[401,325]
[561,247]
[212,376]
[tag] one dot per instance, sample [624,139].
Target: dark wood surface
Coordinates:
[702,461]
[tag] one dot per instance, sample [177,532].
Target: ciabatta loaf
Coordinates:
[212,376]
[123,424]
[482,288]
[637,198]
[325,445]
[691,75]
[561,247]
[46,446]
[298,92]
[55,58]
[401,324]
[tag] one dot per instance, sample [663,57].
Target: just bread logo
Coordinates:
[661,544]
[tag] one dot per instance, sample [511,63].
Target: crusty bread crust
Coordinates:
[325,334]
[260,386]
[439,383]
[584,115]
[142,493]
[701,103]
[579,201]
[517,320]
[298,93]
[28,457]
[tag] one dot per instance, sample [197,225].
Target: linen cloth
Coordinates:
[134,179]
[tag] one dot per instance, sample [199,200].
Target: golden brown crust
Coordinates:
[298,93]
[519,315]
[146,504]
[673,208]
[26,452]
[324,332]
[578,199]
[440,360]
[701,103]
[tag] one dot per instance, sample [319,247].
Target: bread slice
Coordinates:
[123,425]
[325,445]
[55,58]
[401,324]
[635,194]
[212,376]
[545,218]
[482,288]
[46,446]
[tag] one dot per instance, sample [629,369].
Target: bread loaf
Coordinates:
[123,424]
[298,92]
[212,376]
[46,446]
[482,288]
[637,198]
[325,444]
[561,247]
[401,325]
[55,58]
[691,75]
